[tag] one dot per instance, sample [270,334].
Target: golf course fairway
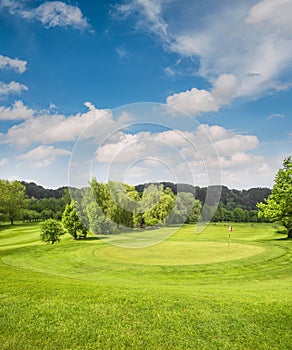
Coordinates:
[191,291]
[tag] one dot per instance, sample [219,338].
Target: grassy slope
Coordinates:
[91,295]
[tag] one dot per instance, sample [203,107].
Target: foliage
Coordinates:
[72,222]
[28,215]
[51,230]
[33,190]
[13,200]
[230,198]
[278,206]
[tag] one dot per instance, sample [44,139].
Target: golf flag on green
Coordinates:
[230,230]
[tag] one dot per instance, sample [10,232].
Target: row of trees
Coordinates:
[106,208]
[15,205]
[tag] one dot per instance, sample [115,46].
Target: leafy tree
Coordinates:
[47,214]
[206,214]
[12,199]
[51,230]
[29,215]
[196,211]
[182,208]
[278,206]
[72,222]
[238,215]
[156,204]
[98,222]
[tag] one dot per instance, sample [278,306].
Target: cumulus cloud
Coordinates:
[252,43]
[12,88]
[13,63]
[18,111]
[46,128]
[181,153]
[50,14]
[43,156]
[130,147]
[196,101]
[275,14]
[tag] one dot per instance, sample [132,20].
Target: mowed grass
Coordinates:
[189,292]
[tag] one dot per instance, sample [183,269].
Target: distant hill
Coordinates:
[37,191]
[230,198]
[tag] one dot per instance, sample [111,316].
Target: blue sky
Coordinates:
[69,66]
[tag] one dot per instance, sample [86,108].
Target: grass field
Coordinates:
[189,292]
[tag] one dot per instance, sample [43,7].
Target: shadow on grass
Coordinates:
[94,238]
[282,239]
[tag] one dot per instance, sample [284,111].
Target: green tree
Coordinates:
[51,230]
[196,211]
[278,206]
[12,199]
[72,222]
[157,204]
[182,208]
[238,215]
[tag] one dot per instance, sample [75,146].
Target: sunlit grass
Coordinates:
[189,292]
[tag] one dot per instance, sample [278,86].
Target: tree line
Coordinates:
[230,198]
[107,208]
[101,205]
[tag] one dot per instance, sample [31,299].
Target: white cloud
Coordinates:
[169,71]
[276,115]
[150,10]
[50,14]
[197,101]
[182,153]
[128,147]
[3,161]
[18,111]
[250,42]
[275,14]
[12,88]
[12,63]
[43,156]
[47,128]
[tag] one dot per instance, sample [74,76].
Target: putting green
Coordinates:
[180,253]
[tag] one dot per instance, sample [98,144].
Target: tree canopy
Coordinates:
[13,199]
[51,230]
[278,206]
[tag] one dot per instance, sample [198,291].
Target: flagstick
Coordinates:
[230,230]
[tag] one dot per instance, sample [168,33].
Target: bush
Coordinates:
[51,230]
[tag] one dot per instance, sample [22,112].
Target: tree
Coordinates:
[12,199]
[72,222]
[51,230]
[238,215]
[278,206]
[196,211]
[182,208]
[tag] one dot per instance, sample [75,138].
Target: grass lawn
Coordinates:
[188,292]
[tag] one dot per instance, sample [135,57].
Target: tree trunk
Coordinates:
[290,232]
[11,221]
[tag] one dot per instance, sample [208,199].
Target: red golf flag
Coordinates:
[230,228]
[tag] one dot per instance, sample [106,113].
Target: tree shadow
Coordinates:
[95,238]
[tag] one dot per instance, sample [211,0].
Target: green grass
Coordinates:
[189,292]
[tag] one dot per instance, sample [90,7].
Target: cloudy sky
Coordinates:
[216,76]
